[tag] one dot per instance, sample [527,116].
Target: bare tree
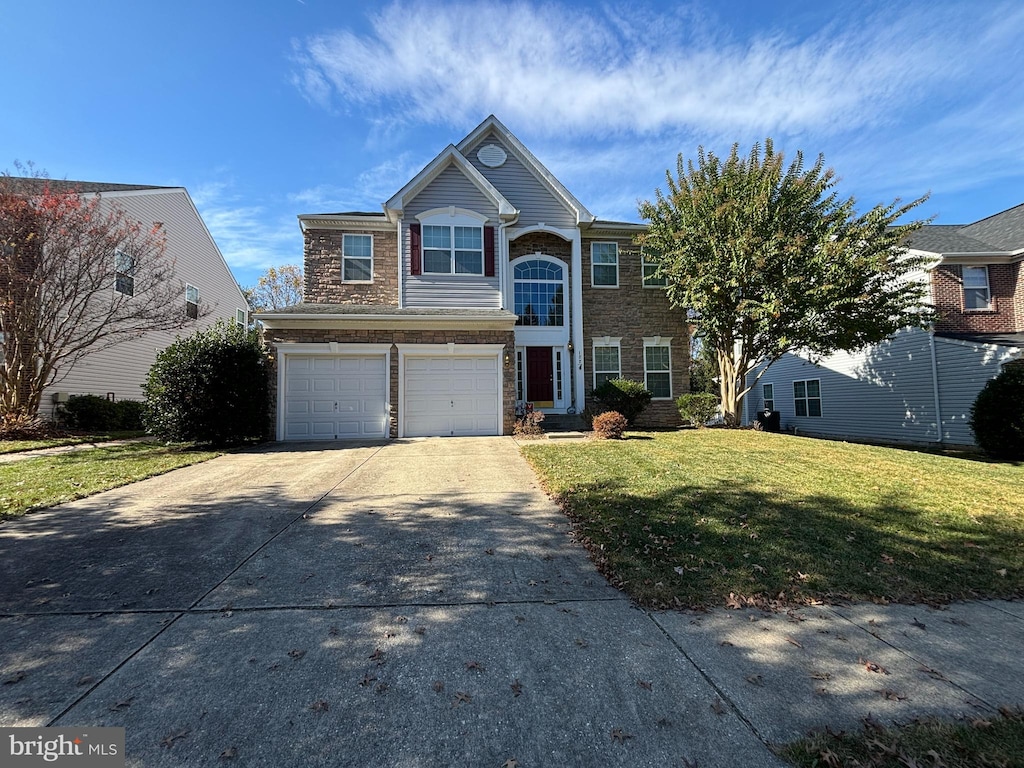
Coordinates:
[77,274]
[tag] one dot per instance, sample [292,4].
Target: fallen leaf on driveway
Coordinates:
[438,686]
[122,704]
[918,624]
[168,741]
[871,666]
[229,754]
[476,665]
[378,656]
[647,685]
[755,680]
[717,707]
[517,687]
[620,735]
[461,697]
[367,679]
[296,653]
[334,631]
[17,677]
[319,706]
[892,695]
[791,641]
[510,763]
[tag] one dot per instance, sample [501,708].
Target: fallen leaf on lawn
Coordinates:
[461,697]
[759,568]
[438,686]
[647,685]
[229,754]
[755,680]
[319,706]
[871,666]
[122,704]
[476,665]
[168,741]
[918,624]
[791,641]
[980,723]
[717,707]
[296,653]
[620,735]
[517,687]
[888,559]
[1001,571]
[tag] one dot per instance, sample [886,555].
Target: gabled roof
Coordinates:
[450,156]
[947,238]
[1005,230]
[999,235]
[33,185]
[535,166]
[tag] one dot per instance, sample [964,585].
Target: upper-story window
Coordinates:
[124,273]
[977,294]
[539,293]
[604,265]
[453,250]
[191,301]
[651,278]
[357,258]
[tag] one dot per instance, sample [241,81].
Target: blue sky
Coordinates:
[268,109]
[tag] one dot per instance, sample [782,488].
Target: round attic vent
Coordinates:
[492,156]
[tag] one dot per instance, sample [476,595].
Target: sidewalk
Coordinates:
[10,458]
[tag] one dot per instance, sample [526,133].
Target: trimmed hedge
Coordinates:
[210,387]
[624,396]
[698,409]
[92,413]
[997,416]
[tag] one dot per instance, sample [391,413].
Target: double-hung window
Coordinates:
[807,397]
[607,363]
[357,258]
[124,273]
[977,294]
[768,397]
[191,301]
[453,250]
[604,265]
[658,367]
[651,278]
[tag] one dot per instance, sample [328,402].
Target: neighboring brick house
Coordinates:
[919,386]
[482,285]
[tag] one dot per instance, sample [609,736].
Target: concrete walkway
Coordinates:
[57,450]
[422,602]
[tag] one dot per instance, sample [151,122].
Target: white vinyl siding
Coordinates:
[604,265]
[357,258]
[122,369]
[977,294]
[531,196]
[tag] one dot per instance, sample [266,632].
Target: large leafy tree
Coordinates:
[768,259]
[77,274]
[277,288]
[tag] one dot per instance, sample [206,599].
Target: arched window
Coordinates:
[539,293]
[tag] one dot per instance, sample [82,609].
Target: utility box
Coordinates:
[61,397]
[769,421]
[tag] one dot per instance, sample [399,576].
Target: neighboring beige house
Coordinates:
[482,285]
[118,372]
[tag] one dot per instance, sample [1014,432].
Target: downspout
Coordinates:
[935,386]
[503,252]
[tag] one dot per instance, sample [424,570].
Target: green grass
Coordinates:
[712,517]
[19,446]
[45,481]
[996,742]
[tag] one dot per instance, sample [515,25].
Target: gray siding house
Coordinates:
[205,279]
[482,285]
[918,386]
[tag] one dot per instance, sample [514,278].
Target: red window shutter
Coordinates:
[489,251]
[415,260]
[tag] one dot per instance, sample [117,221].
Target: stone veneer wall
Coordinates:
[323,269]
[1007,316]
[309,336]
[633,312]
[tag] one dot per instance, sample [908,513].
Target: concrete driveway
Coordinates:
[412,603]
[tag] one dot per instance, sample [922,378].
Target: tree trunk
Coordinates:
[729,388]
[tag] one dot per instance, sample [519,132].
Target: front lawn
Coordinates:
[735,517]
[19,446]
[49,480]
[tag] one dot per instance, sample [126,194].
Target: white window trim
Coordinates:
[244,321]
[773,398]
[659,341]
[604,341]
[356,258]
[990,306]
[452,217]
[644,264]
[129,274]
[190,287]
[807,399]
[565,289]
[616,265]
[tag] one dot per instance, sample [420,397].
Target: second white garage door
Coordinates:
[329,397]
[451,395]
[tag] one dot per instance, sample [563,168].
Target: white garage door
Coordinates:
[451,395]
[335,397]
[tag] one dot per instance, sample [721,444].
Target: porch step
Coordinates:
[562,422]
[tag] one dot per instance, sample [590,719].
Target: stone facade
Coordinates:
[278,337]
[1006,315]
[632,312]
[323,269]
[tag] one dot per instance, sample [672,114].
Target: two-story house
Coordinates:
[482,284]
[207,289]
[918,387]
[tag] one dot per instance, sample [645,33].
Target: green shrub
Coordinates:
[128,415]
[210,387]
[698,409]
[88,413]
[997,416]
[625,396]
[610,425]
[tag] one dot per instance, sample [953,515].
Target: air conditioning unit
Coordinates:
[61,397]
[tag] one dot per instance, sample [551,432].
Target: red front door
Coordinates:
[539,376]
